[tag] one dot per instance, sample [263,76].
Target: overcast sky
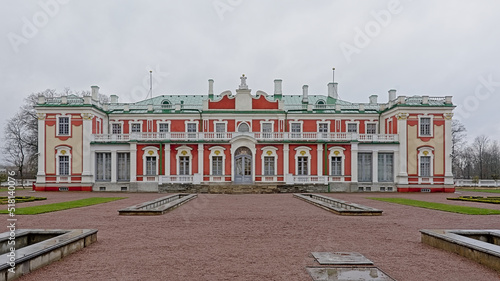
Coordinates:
[434,48]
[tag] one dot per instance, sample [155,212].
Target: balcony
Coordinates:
[259,136]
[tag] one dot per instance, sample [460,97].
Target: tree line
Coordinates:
[479,159]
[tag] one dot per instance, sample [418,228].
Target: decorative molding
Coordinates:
[41,116]
[402,116]
[448,116]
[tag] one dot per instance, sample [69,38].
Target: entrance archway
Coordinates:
[243,165]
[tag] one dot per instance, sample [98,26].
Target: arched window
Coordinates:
[320,104]
[243,128]
[165,104]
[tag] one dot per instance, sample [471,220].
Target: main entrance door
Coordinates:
[243,165]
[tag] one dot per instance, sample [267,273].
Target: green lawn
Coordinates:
[440,206]
[34,210]
[480,190]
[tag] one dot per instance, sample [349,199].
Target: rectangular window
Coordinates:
[150,165]
[302,166]
[123,166]
[63,126]
[191,129]
[220,129]
[163,127]
[371,128]
[116,128]
[269,166]
[352,128]
[425,166]
[64,165]
[103,166]
[267,129]
[364,167]
[217,166]
[336,166]
[425,126]
[183,165]
[323,128]
[296,130]
[136,128]
[385,167]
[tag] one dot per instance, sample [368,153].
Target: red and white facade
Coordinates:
[244,138]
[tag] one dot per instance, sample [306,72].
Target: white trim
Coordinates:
[116,122]
[63,150]
[213,152]
[147,154]
[371,122]
[69,125]
[307,153]
[130,123]
[188,153]
[169,123]
[340,153]
[431,125]
[241,122]
[352,122]
[273,153]
[426,151]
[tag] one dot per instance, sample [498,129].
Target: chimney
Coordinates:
[41,99]
[373,99]
[331,91]
[392,94]
[278,92]
[335,90]
[114,98]
[305,98]
[95,93]
[210,89]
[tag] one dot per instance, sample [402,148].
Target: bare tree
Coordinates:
[480,147]
[17,147]
[459,141]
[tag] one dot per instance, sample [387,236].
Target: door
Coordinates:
[243,165]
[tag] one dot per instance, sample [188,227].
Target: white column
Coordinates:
[41,149]
[199,177]
[354,162]
[87,137]
[285,162]
[114,159]
[320,159]
[167,159]
[375,166]
[133,162]
[448,174]
[403,148]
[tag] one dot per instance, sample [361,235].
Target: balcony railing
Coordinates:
[176,179]
[260,136]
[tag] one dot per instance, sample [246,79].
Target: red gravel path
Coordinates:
[253,237]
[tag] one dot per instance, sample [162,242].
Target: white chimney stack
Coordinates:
[373,99]
[114,98]
[392,94]
[210,88]
[278,91]
[95,93]
[331,91]
[305,97]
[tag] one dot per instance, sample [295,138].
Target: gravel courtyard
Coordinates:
[253,237]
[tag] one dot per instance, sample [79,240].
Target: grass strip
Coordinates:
[439,206]
[480,190]
[34,210]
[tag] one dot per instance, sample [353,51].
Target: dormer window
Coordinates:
[165,104]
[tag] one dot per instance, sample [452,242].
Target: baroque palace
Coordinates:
[309,141]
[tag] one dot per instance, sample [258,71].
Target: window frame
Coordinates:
[216,151]
[269,151]
[101,174]
[58,121]
[361,172]
[431,122]
[382,175]
[121,170]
